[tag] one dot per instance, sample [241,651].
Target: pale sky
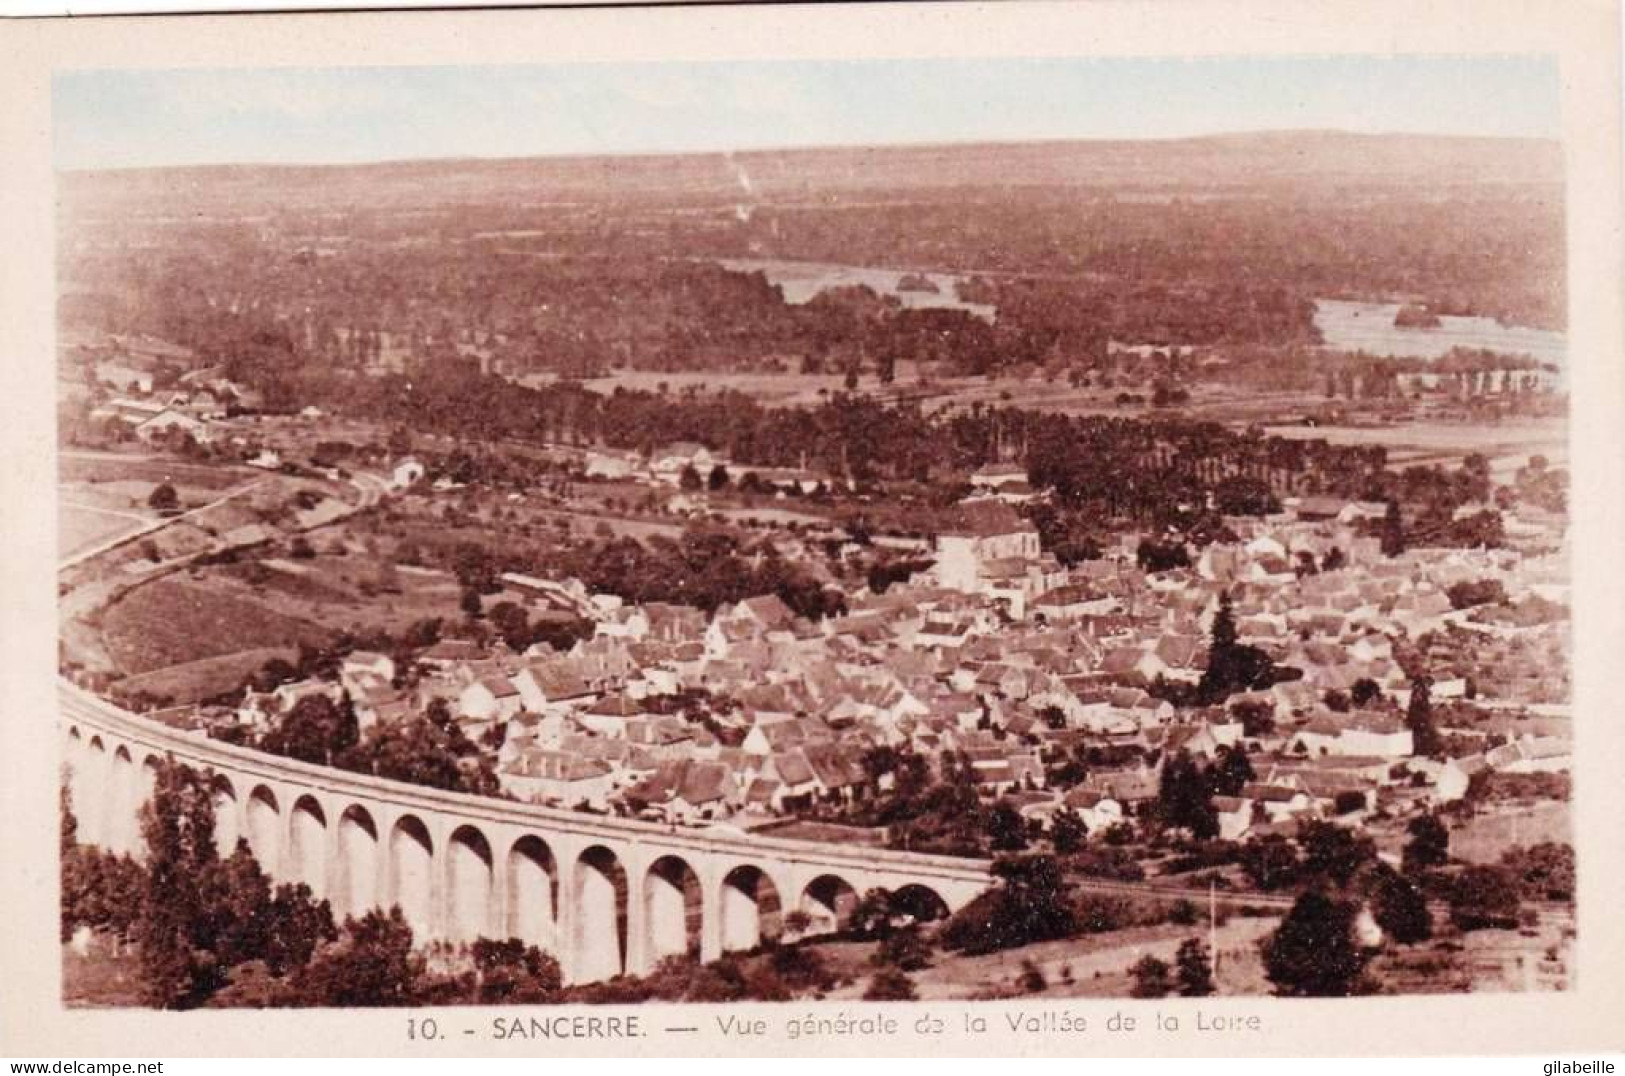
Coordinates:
[339,115]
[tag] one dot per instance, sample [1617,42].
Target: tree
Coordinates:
[1232,771]
[1195,969]
[1006,829]
[426,750]
[1153,556]
[1333,852]
[906,949]
[511,972]
[315,730]
[1429,844]
[1223,634]
[890,984]
[1067,831]
[1032,903]
[1364,692]
[294,926]
[689,479]
[717,479]
[371,966]
[1465,595]
[1270,862]
[1314,953]
[1153,978]
[1400,908]
[163,499]
[1419,718]
[1185,797]
[1231,665]
[1485,897]
[872,915]
[178,827]
[1393,531]
[1257,718]
[1544,871]
[801,967]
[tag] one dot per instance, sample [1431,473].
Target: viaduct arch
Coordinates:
[605,896]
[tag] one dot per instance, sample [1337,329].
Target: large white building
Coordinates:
[995,552]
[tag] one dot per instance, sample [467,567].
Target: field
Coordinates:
[198,680]
[332,590]
[1535,957]
[169,623]
[1486,836]
[101,496]
[99,977]
[81,527]
[1509,444]
[774,389]
[95,468]
[1092,965]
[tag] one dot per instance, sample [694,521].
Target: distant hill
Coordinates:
[1224,162]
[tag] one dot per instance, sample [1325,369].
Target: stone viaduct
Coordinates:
[605,895]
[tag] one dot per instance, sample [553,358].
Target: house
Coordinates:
[686,791]
[266,459]
[992,476]
[797,785]
[130,412]
[263,710]
[789,479]
[1099,810]
[1235,816]
[366,663]
[1378,734]
[1128,787]
[705,793]
[1277,802]
[1319,509]
[160,425]
[1451,780]
[546,776]
[1071,602]
[986,532]
[940,632]
[767,612]
[407,471]
[1532,754]
[543,685]
[487,702]
[668,462]
[610,714]
[374,700]
[836,772]
[608,463]
[123,377]
[449,653]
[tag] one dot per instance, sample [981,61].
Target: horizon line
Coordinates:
[813,147]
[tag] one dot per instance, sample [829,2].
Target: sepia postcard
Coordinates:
[900,529]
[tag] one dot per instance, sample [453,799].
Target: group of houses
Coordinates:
[1003,660]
